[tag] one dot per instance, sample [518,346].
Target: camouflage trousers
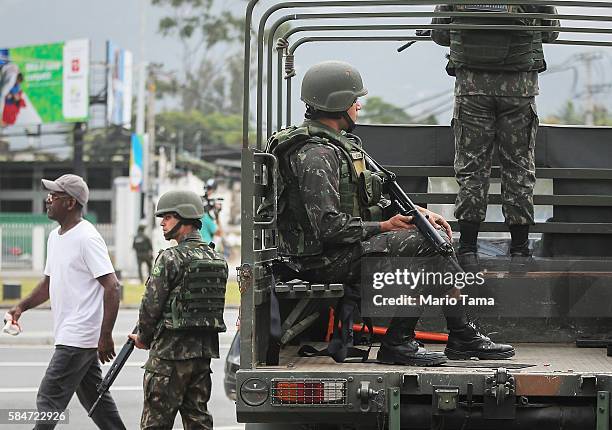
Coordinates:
[343,264]
[509,124]
[172,386]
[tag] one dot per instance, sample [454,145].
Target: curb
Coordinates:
[46,339]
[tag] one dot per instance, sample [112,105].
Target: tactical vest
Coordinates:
[509,51]
[360,189]
[141,244]
[197,302]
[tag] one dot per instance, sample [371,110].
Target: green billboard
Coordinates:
[44,84]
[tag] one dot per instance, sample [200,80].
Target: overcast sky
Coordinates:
[399,78]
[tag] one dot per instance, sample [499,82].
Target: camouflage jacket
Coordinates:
[494,83]
[316,167]
[166,344]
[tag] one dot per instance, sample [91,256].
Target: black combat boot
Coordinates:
[467,342]
[400,347]
[467,254]
[520,256]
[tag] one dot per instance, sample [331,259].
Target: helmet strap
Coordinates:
[349,121]
[172,233]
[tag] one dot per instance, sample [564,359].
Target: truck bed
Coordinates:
[531,358]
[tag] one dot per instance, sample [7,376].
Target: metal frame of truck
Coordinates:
[550,395]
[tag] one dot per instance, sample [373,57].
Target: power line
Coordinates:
[433,109]
[426,99]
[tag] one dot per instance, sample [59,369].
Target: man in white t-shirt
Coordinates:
[84,291]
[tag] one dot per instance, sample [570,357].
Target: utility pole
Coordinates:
[78,133]
[590,107]
[588,58]
[150,148]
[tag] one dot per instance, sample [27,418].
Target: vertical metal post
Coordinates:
[394,406]
[603,410]
[77,162]
[247,307]
[288,102]
[279,91]
[148,210]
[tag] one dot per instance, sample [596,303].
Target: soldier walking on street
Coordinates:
[181,314]
[495,87]
[144,251]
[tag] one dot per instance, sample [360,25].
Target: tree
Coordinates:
[192,131]
[569,114]
[211,37]
[377,111]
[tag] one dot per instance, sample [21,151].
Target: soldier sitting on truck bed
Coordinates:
[326,229]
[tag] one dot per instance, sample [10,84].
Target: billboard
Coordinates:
[44,84]
[119,85]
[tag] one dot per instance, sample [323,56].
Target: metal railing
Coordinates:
[23,245]
[254,249]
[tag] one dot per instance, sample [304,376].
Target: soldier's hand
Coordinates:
[397,222]
[106,348]
[137,343]
[438,222]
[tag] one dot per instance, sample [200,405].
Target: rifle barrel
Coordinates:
[114,370]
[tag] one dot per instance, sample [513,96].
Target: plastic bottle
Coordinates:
[11,327]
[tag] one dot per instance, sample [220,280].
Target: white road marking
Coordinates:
[236,427]
[46,363]
[35,389]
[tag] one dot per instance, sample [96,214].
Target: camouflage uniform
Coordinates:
[495,108]
[177,373]
[144,252]
[346,239]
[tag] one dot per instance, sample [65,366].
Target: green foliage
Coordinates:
[377,111]
[192,129]
[569,114]
[105,145]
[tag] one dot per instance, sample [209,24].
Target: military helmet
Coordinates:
[211,184]
[186,204]
[332,86]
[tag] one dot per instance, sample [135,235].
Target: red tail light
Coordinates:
[308,392]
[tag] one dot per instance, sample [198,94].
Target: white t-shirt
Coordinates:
[74,260]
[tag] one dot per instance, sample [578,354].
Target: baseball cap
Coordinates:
[72,185]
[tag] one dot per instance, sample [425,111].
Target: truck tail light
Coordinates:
[308,391]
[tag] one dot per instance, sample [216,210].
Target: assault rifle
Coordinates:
[407,208]
[114,370]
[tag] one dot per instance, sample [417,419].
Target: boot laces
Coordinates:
[477,332]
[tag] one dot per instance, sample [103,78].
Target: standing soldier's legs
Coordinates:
[518,126]
[163,394]
[194,411]
[171,386]
[139,264]
[474,128]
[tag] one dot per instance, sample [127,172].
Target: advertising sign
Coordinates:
[44,84]
[119,85]
[136,162]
